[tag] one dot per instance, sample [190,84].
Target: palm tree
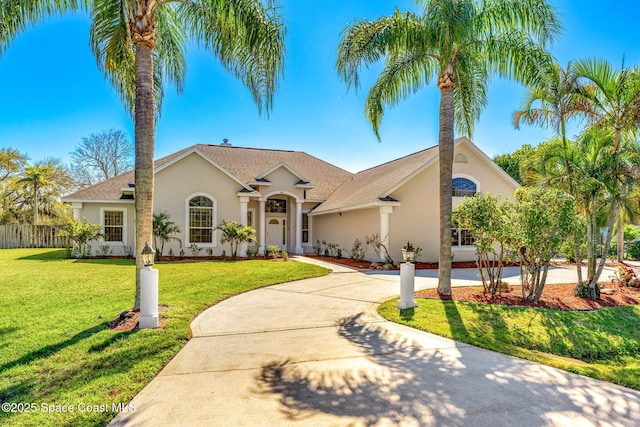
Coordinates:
[596,175]
[459,43]
[556,98]
[16,16]
[236,234]
[36,178]
[614,103]
[163,229]
[140,43]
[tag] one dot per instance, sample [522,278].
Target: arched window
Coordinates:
[463,187]
[201,219]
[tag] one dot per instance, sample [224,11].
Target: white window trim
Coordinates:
[214,220]
[459,246]
[124,225]
[470,178]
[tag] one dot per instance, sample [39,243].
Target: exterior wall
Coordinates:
[418,218]
[93,212]
[191,176]
[344,228]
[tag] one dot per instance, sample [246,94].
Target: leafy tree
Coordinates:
[140,43]
[81,234]
[459,44]
[236,234]
[542,219]
[101,156]
[511,162]
[488,221]
[163,229]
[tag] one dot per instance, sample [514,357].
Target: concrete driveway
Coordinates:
[316,353]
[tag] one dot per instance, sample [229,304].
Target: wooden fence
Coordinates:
[31,236]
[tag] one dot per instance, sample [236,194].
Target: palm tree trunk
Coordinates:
[144,147]
[445,149]
[621,235]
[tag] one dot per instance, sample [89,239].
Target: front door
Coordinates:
[277,232]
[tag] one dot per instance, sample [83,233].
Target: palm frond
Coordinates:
[246,36]
[401,77]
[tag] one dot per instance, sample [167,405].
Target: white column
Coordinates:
[407,279]
[263,227]
[77,210]
[385,211]
[298,248]
[244,201]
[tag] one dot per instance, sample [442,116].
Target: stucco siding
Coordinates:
[345,228]
[190,177]
[94,213]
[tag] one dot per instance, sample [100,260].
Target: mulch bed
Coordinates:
[129,320]
[553,296]
[365,265]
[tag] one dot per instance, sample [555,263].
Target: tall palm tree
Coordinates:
[141,43]
[614,103]
[556,98]
[459,44]
[34,180]
[596,175]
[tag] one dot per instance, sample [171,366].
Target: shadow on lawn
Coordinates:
[48,350]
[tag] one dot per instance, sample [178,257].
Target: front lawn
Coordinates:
[56,350]
[603,344]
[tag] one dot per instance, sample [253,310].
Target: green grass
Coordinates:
[603,344]
[55,344]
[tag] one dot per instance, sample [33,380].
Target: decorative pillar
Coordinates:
[244,201]
[385,211]
[77,210]
[263,227]
[298,248]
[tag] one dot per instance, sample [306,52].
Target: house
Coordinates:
[294,199]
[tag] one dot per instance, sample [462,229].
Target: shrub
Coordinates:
[104,250]
[318,248]
[195,250]
[357,250]
[285,256]
[275,251]
[634,251]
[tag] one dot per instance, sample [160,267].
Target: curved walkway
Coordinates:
[316,353]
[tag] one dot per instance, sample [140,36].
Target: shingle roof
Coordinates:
[370,185]
[246,164]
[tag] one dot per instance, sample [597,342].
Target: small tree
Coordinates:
[235,234]
[487,221]
[543,220]
[81,234]
[162,232]
[378,247]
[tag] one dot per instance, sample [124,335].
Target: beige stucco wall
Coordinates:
[344,228]
[417,218]
[93,212]
[190,177]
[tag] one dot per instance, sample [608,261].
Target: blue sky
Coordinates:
[53,94]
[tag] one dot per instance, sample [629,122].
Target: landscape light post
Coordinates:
[148,290]
[407,276]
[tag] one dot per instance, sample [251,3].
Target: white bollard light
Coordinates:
[148,290]
[407,275]
[148,298]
